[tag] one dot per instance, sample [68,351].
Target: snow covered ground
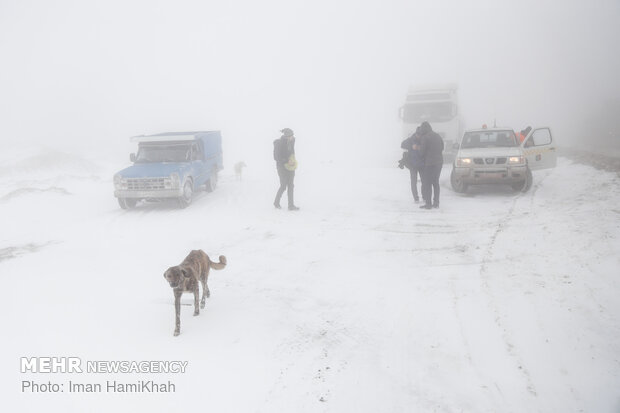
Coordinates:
[360,302]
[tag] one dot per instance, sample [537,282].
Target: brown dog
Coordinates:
[185,277]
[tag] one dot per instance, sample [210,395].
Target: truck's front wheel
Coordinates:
[127,203]
[188,194]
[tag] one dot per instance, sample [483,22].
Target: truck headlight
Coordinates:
[463,161]
[516,160]
[119,182]
[173,181]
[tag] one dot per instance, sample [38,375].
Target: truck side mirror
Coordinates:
[455,145]
[132,157]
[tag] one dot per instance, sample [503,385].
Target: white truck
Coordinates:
[436,104]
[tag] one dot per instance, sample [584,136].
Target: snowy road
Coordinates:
[360,302]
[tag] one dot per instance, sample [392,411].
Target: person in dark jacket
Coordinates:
[431,148]
[284,155]
[414,161]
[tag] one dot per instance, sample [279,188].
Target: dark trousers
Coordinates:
[414,182]
[430,183]
[287,179]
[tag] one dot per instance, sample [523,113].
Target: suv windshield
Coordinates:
[487,139]
[163,153]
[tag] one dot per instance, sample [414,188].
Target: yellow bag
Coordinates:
[292,163]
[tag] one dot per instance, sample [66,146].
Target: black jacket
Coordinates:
[413,155]
[431,146]
[283,149]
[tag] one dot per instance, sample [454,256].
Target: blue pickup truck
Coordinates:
[170,165]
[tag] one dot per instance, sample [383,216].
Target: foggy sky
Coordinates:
[91,74]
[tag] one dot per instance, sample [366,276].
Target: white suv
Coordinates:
[495,156]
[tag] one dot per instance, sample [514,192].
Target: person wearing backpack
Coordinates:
[284,155]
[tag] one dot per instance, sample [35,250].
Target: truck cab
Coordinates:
[172,165]
[438,105]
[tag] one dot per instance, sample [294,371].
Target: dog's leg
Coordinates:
[196,300]
[204,291]
[177,310]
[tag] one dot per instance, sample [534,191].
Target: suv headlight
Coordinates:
[516,160]
[463,161]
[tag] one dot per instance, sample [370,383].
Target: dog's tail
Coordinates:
[218,265]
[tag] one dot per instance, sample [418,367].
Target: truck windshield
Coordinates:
[486,139]
[163,153]
[428,111]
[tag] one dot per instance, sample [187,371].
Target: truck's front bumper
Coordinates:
[503,175]
[155,194]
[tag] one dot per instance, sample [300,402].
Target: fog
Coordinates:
[87,75]
[500,299]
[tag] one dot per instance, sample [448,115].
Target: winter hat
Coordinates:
[287,132]
[425,127]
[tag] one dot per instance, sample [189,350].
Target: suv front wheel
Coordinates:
[457,184]
[526,184]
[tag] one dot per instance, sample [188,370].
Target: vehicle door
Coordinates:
[198,165]
[539,149]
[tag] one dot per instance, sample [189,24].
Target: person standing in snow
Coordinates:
[431,149]
[414,161]
[284,155]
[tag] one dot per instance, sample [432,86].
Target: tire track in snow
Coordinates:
[487,259]
[466,344]
[505,334]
